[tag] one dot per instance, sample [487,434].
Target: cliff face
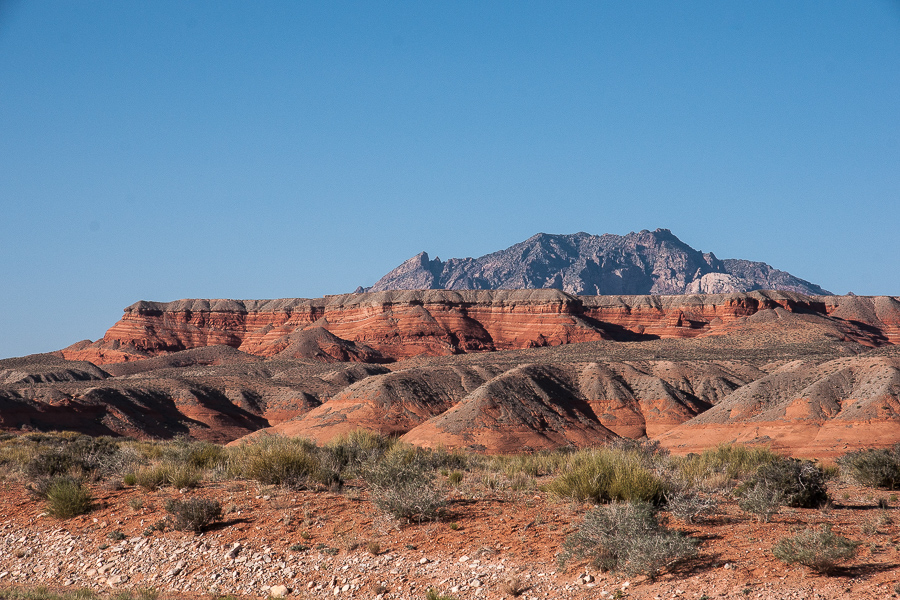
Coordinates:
[646,262]
[389,326]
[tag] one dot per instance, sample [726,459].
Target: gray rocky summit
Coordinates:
[646,262]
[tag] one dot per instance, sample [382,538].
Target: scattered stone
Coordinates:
[234,551]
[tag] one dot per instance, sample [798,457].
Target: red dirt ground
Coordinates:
[491,536]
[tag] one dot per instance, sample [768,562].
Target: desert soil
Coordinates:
[486,538]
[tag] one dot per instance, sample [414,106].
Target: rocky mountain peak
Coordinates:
[644,262]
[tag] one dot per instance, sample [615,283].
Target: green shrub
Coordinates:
[819,549]
[197,454]
[67,497]
[607,475]
[402,483]
[69,453]
[650,450]
[537,464]
[831,471]
[874,467]
[627,537]
[50,462]
[455,478]
[800,483]
[433,594]
[193,514]
[42,593]
[441,458]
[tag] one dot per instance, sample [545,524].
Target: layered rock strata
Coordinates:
[389,326]
[515,408]
[805,410]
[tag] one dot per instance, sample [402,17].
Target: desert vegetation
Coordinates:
[819,549]
[635,508]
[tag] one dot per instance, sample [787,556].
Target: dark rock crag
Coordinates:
[646,262]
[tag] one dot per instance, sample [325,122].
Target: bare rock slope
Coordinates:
[646,262]
[806,409]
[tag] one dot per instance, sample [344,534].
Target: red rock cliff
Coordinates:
[395,325]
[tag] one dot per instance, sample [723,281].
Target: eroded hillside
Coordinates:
[814,375]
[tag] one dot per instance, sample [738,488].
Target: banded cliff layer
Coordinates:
[383,327]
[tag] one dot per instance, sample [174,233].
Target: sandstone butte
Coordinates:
[395,325]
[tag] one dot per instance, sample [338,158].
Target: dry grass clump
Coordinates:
[277,460]
[151,477]
[722,466]
[349,451]
[609,474]
[184,475]
[513,587]
[167,473]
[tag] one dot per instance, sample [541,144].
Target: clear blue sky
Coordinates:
[164,150]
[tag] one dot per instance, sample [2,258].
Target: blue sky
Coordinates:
[164,150]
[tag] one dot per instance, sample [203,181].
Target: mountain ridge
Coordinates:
[638,263]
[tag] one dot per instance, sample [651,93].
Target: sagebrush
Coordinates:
[874,467]
[627,537]
[819,549]
[402,483]
[193,514]
[783,482]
